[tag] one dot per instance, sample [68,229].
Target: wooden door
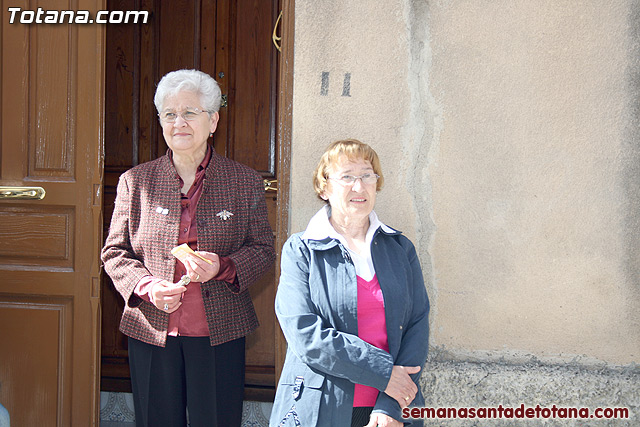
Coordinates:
[231,41]
[51,137]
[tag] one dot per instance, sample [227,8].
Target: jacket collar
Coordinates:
[321,234]
[168,167]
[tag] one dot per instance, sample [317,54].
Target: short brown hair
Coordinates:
[353,150]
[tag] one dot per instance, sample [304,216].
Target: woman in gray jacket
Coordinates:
[352,305]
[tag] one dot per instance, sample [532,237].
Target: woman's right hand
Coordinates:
[383,420]
[166,294]
[401,387]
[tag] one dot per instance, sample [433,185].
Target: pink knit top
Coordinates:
[372,328]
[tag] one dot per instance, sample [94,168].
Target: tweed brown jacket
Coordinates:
[145,227]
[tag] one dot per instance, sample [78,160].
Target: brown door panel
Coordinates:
[51,137]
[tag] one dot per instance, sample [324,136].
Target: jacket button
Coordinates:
[400,327]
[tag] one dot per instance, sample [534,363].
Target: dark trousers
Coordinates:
[360,416]
[187,374]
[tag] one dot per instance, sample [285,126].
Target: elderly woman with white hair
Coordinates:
[186,315]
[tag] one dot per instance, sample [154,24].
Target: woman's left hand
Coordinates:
[199,270]
[382,420]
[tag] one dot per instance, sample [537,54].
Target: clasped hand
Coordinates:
[401,387]
[167,296]
[198,269]
[383,420]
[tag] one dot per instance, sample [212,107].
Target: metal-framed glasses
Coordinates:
[188,115]
[367,178]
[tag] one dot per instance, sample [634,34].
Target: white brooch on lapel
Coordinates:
[224,214]
[162,210]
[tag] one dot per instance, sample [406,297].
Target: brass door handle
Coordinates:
[22,193]
[269,184]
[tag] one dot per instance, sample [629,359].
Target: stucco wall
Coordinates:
[508,133]
[530,187]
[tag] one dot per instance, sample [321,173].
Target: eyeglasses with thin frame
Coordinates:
[367,178]
[188,115]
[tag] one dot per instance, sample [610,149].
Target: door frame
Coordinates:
[284,138]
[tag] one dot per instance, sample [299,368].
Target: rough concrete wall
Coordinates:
[531,185]
[530,382]
[508,132]
[359,74]
[338,44]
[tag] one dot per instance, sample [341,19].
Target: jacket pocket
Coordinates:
[301,394]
